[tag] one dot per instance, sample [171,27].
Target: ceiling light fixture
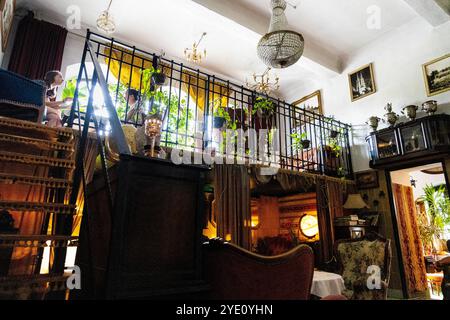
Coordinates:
[105,21]
[193,55]
[280,48]
[262,83]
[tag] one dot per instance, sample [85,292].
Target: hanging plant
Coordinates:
[263,107]
[300,141]
[221,116]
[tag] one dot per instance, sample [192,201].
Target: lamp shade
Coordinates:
[355,201]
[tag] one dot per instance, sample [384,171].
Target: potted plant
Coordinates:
[263,107]
[300,141]
[221,116]
[437,205]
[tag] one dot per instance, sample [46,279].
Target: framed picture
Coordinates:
[311,102]
[362,82]
[7,8]
[437,75]
[367,180]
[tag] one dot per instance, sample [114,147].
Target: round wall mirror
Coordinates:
[309,226]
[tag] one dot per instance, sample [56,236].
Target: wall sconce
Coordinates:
[413,182]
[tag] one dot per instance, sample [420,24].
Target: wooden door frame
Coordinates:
[388,172]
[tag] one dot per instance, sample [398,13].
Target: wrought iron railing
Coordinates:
[199,108]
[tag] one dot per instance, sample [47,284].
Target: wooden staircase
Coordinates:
[36,172]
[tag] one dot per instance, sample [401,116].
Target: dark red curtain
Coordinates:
[38,48]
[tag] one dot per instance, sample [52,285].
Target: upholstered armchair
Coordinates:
[354,257]
[237,274]
[21,98]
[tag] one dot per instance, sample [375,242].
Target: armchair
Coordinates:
[354,258]
[21,98]
[237,274]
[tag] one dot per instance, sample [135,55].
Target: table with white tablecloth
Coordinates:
[327,284]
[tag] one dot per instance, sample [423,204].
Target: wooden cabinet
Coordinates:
[427,137]
[149,244]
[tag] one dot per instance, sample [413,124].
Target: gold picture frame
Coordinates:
[7,9]
[444,66]
[362,82]
[316,100]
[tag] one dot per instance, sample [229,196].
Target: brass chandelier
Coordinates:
[262,83]
[105,21]
[194,55]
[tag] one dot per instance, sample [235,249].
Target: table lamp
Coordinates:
[355,203]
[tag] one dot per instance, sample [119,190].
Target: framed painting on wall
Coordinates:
[367,180]
[362,82]
[312,102]
[437,75]
[7,8]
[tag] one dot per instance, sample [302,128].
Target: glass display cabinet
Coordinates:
[424,137]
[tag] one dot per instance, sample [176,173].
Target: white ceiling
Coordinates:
[332,30]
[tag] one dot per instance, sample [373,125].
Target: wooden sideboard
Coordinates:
[149,244]
[423,139]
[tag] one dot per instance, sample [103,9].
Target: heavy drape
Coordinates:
[411,245]
[331,195]
[127,68]
[38,48]
[232,201]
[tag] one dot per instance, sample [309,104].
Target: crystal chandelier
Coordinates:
[262,83]
[105,21]
[193,55]
[280,48]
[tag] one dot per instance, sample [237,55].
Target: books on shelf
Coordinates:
[349,221]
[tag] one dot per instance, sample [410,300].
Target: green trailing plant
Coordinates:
[263,105]
[149,90]
[298,140]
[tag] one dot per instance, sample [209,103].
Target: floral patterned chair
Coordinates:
[354,257]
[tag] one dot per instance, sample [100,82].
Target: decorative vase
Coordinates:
[430,107]
[373,122]
[153,130]
[391,116]
[411,112]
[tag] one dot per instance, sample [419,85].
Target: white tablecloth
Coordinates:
[326,284]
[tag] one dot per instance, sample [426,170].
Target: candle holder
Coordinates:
[153,131]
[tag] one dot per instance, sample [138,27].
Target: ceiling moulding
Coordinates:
[435,12]
[318,59]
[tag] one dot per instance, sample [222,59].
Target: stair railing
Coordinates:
[88,121]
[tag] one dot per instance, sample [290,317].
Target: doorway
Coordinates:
[422,210]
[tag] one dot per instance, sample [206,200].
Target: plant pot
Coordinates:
[334,134]
[330,153]
[306,144]
[218,122]
[159,79]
